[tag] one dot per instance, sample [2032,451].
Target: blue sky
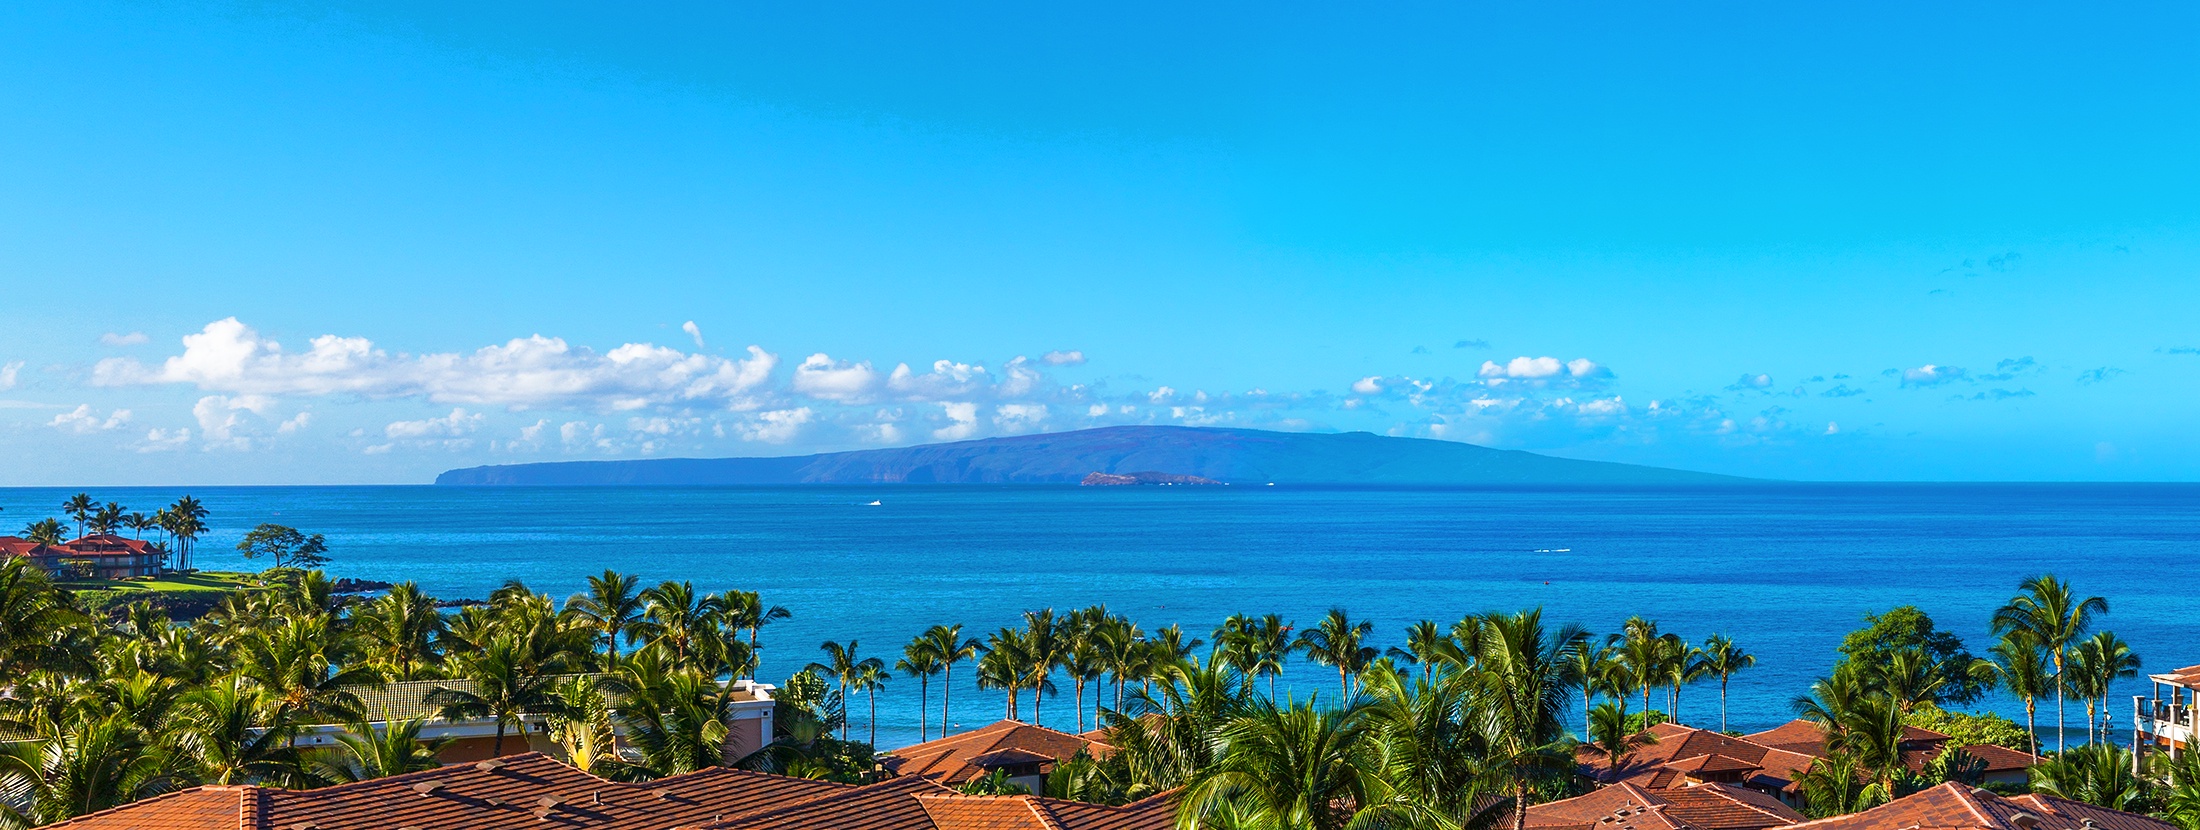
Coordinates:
[271,243]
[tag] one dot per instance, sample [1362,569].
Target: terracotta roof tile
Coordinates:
[957,759]
[1706,807]
[1955,806]
[198,808]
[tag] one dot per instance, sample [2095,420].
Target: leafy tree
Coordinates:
[91,765]
[364,752]
[287,546]
[1970,729]
[505,684]
[1522,690]
[1905,629]
[2097,774]
[1288,768]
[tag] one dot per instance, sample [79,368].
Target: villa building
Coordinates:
[98,556]
[2169,719]
[1767,762]
[534,791]
[1702,807]
[1954,806]
[474,739]
[1024,752]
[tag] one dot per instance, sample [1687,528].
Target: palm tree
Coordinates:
[1522,691]
[1043,651]
[1591,668]
[35,621]
[44,532]
[745,611]
[92,765]
[844,667]
[2097,774]
[2096,664]
[187,519]
[138,523]
[236,735]
[303,664]
[1426,643]
[401,628]
[368,753]
[504,683]
[1723,659]
[678,619]
[611,607]
[2021,667]
[80,507]
[1433,749]
[1609,734]
[1643,651]
[868,679]
[1084,657]
[1339,643]
[920,660]
[1287,768]
[2046,608]
[950,646]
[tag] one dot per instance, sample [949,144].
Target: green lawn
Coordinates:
[202,581]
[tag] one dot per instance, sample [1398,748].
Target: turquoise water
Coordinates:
[1785,570]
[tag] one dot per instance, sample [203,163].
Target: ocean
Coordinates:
[1784,569]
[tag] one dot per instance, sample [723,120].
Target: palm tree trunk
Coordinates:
[1081,704]
[872,694]
[947,687]
[1520,802]
[2031,704]
[1344,686]
[1722,704]
[924,707]
[496,748]
[2059,716]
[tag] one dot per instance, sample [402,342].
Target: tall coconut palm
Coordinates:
[1044,647]
[678,619]
[1590,668]
[1426,644]
[36,621]
[1643,651]
[187,519]
[868,679]
[2096,664]
[1296,767]
[1522,690]
[950,646]
[919,660]
[1084,656]
[1723,659]
[2021,667]
[2046,608]
[304,666]
[1341,644]
[612,607]
[844,666]
[45,532]
[80,507]
[1433,749]
[1610,734]
[746,612]
[505,682]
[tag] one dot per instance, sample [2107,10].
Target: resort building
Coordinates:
[474,739]
[533,791]
[98,556]
[1026,753]
[2169,719]
[1767,762]
[1703,807]
[1954,806]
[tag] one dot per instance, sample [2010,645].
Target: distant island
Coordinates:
[1233,456]
[1144,477]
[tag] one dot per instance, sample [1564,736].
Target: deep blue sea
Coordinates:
[1783,569]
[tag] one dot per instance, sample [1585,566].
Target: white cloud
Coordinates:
[8,374]
[1539,370]
[223,420]
[228,356]
[135,338]
[1161,395]
[1096,410]
[1931,375]
[1606,406]
[1060,358]
[297,422]
[947,380]
[778,426]
[458,423]
[1833,428]
[694,331]
[162,440]
[963,418]
[1756,381]
[1370,385]
[83,421]
[1020,417]
[820,376]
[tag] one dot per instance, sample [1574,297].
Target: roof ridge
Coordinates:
[202,788]
[1045,818]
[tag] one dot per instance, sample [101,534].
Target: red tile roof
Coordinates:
[108,544]
[956,759]
[2187,677]
[1704,807]
[1954,806]
[1766,760]
[518,792]
[12,546]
